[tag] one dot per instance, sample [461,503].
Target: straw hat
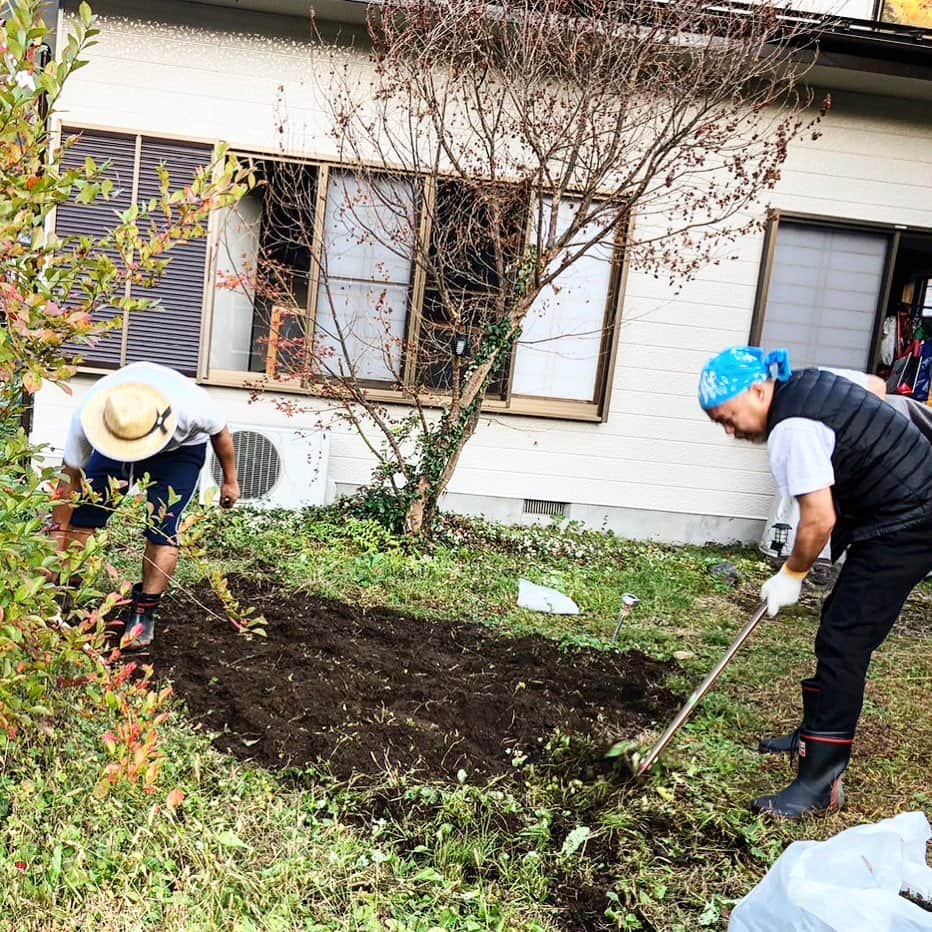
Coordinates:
[128,422]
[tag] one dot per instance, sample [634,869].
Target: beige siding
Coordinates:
[656,452]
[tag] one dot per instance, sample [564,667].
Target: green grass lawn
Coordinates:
[252,849]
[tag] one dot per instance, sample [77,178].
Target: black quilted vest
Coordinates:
[882,463]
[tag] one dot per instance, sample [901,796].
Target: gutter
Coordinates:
[862,39]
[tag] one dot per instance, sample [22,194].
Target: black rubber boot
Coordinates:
[817,789]
[64,597]
[140,626]
[789,744]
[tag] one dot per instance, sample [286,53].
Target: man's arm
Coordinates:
[876,386]
[75,456]
[68,484]
[816,523]
[226,456]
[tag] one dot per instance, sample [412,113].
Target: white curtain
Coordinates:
[557,355]
[362,302]
[234,290]
[822,301]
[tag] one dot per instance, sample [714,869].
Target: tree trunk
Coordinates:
[414,520]
[423,507]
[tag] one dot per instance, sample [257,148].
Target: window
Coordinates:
[906,12]
[323,272]
[263,273]
[171,333]
[467,263]
[564,344]
[925,304]
[363,297]
[825,284]
[843,295]
[298,306]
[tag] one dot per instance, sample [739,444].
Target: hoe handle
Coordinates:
[701,690]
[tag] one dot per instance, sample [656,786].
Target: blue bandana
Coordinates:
[736,369]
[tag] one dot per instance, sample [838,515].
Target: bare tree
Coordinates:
[485,149]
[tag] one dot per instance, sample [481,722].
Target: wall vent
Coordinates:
[540,506]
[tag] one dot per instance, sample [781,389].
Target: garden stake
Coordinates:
[640,766]
[628,604]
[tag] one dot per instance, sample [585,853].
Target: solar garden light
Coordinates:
[629,603]
[781,535]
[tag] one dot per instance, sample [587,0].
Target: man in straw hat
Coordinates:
[862,474]
[142,421]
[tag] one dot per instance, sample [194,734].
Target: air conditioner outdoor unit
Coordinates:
[278,467]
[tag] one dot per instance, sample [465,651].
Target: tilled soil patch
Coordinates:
[368,690]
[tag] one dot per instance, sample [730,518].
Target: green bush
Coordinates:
[50,288]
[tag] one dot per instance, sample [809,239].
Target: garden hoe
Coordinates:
[640,765]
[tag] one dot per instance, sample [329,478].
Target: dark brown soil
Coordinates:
[365,690]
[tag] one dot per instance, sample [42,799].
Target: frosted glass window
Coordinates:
[362,304]
[561,342]
[822,302]
[262,274]
[237,258]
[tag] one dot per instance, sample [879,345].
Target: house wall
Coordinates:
[656,467]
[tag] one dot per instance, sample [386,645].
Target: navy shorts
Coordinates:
[177,470]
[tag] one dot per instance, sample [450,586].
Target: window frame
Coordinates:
[608,344]
[595,411]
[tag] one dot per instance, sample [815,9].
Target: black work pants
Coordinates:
[875,581]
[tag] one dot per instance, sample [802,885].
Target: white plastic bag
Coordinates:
[543,599]
[849,883]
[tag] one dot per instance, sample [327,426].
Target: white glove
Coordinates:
[782,590]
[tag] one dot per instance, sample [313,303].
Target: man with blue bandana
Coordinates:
[862,474]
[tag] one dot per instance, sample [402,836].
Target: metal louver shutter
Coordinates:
[99,218]
[170,335]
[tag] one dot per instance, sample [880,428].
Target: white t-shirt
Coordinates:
[800,449]
[198,416]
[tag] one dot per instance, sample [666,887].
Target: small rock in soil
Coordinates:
[822,576]
[727,572]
